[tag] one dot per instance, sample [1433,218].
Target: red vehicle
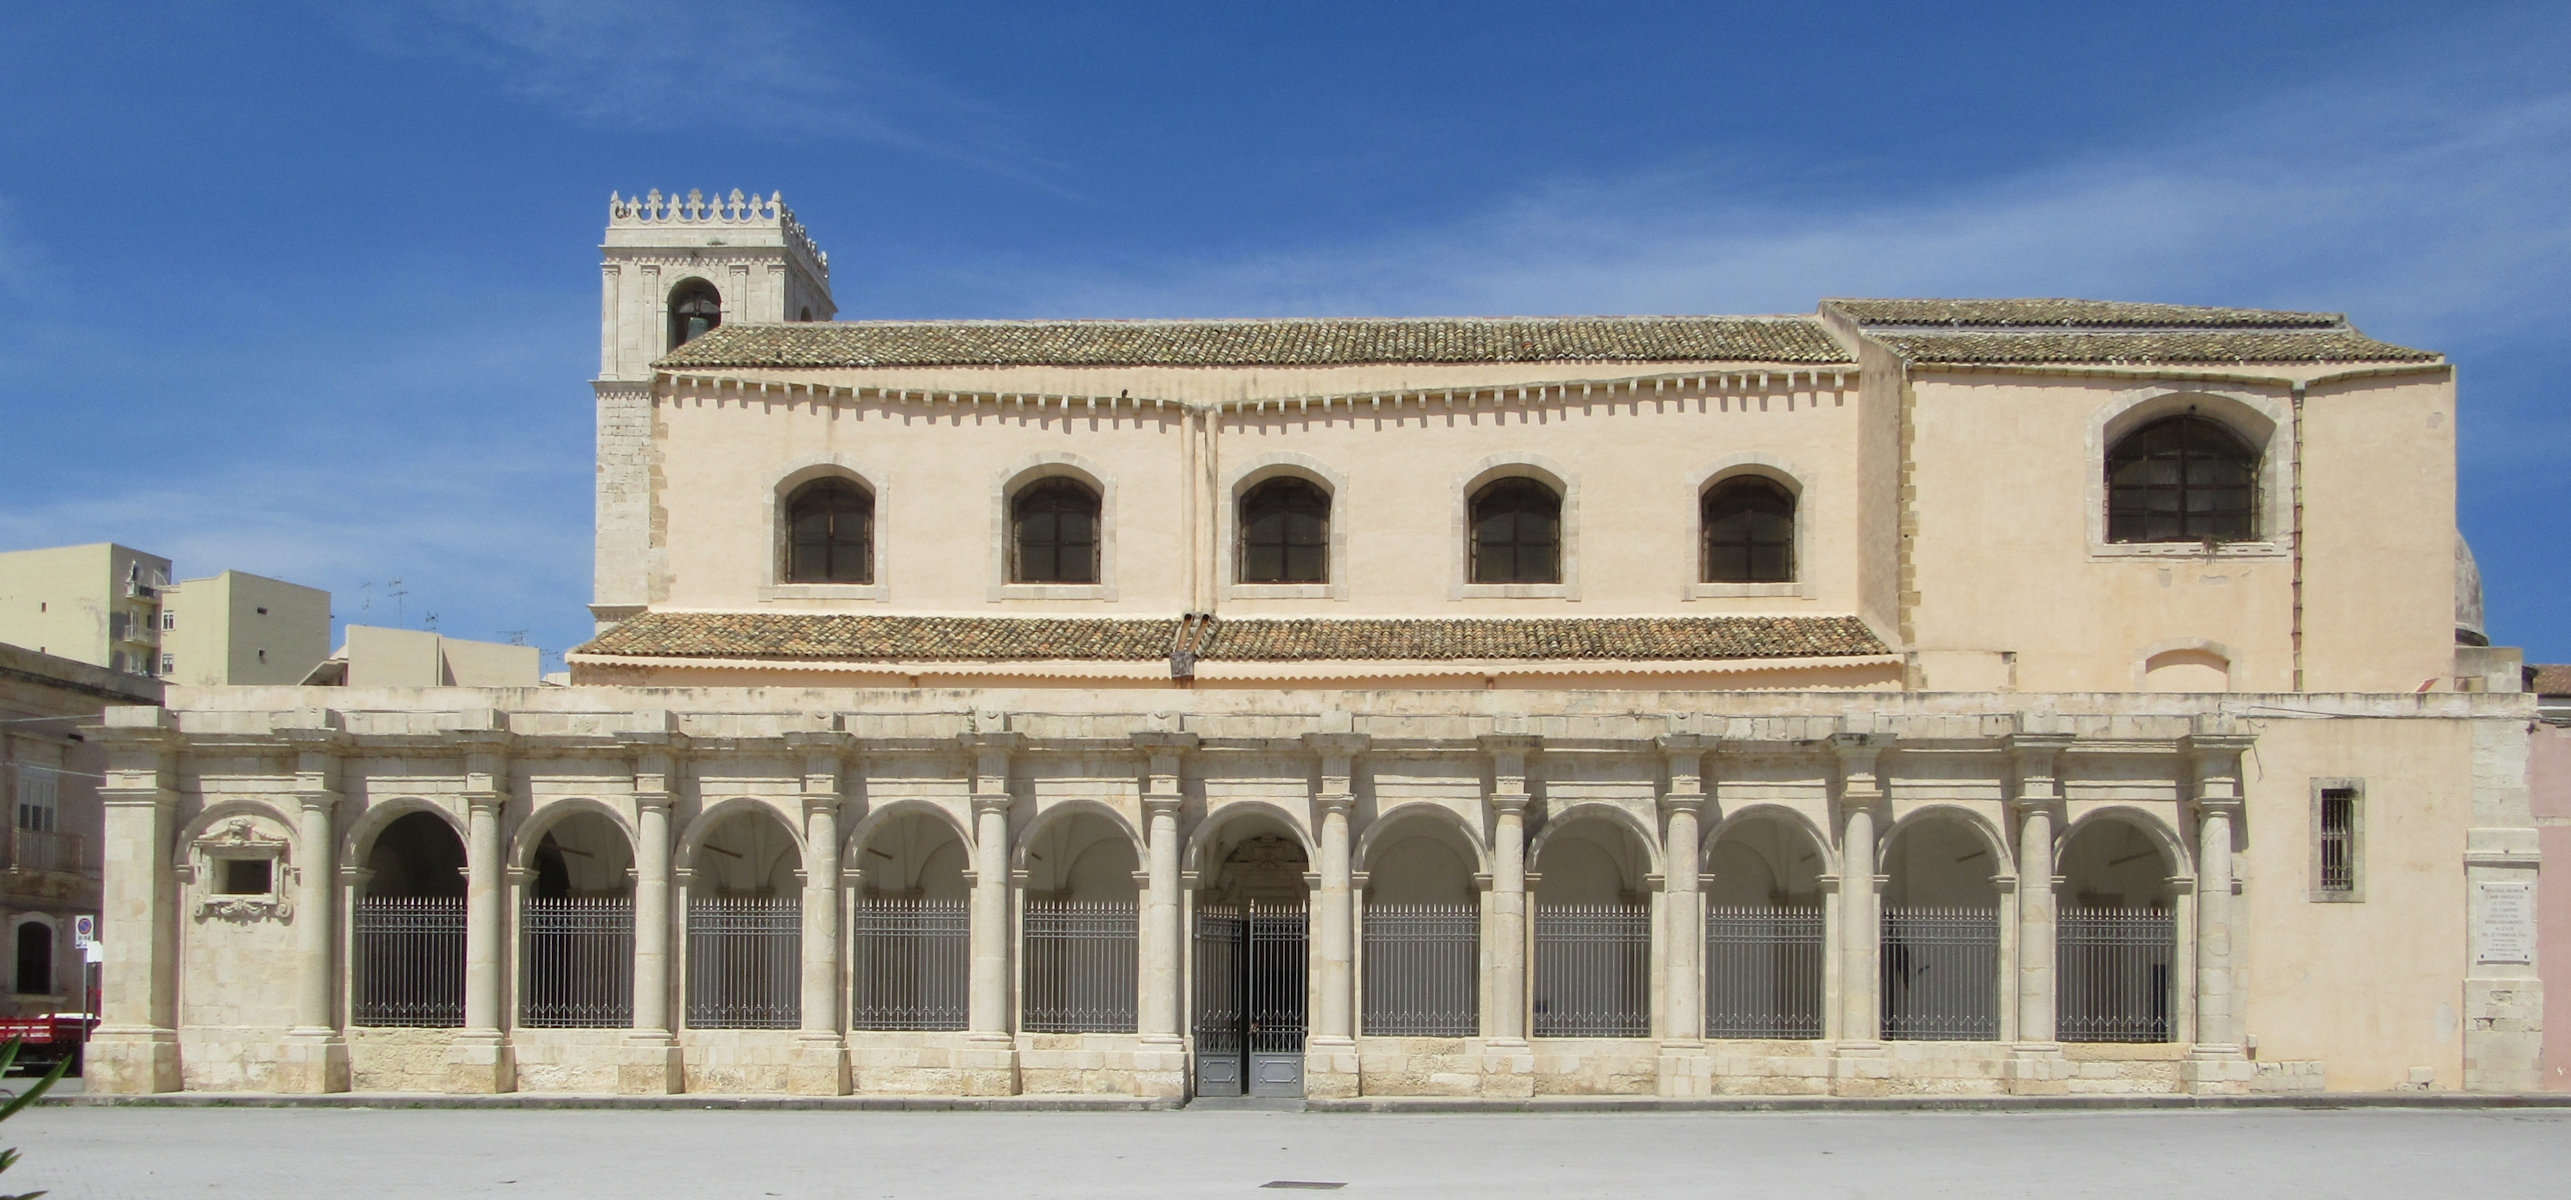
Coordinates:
[46,1040]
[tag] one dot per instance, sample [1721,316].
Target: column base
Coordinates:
[1861,1068]
[1508,1069]
[988,1065]
[131,1061]
[1684,1070]
[311,1062]
[649,1064]
[2036,1069]
[818,1066]
[479,1062]
[2216,1070]
[1330,1068]
[1160,1067]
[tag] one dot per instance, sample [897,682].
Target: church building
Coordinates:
[1908,696]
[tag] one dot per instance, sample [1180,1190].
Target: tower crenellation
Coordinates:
[654,211]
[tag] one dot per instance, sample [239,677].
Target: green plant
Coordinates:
[9,1058]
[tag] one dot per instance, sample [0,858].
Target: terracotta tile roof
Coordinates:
[2159,346]
[2549,679]
[2112,332]
[846,638]
[2011,314]
[1327,341]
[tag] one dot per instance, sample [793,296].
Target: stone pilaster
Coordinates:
[2036,1065]
[2216,1063]
[1160,1066]
[314,1057]
[820,1063]
[2503,989]
[991,1060]
[1684,1069]
[478,1060]
[650,1064]
[1330,1052]
[1509,1062]
[1861,1064]
[135,1048]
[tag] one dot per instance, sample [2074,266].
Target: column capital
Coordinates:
[1859,784]
[990,802]
[1511,804]
[1161,805]
[654,801]
[322,800]
[484,799]
[1691,803]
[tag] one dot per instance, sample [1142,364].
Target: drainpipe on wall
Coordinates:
[2296,418]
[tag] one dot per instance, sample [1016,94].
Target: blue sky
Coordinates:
[311,291]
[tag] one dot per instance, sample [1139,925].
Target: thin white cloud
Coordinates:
[2421,216]
[770,68]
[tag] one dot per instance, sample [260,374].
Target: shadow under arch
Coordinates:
[361,834]
[531,832]
[2073,854]
[1202,841]
[894,811]
[1394,819]
[1064,810]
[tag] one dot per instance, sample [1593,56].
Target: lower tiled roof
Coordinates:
[1320,341]
[2061,313]
[850,638]
[2150,347]
[2549,679]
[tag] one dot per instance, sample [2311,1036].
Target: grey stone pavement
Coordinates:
[293,1153]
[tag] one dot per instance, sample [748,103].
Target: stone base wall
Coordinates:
[398,1060]
[723,1061]
[1596,1067]
[1100,1064]
[2115,1069]
[582,1061]
[226,1058]
[930,1064]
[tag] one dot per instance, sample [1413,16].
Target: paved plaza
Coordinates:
[292,1154]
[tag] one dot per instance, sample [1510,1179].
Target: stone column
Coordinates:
[990,1065]
[2217,1062]
[820,1063]
[2036,1065]
[1509,1064]
[478,1059]
[1330,1053]
[1160,1066]
[1684,1069]
[135,1048]
[315,1052]
[651,1064]
[1861,1065]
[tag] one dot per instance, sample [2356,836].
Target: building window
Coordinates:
[2336,846]
[35,958]
[695,309]
[830,533]
[170,620]
[38,799]
[1517,532]
[1053,533]
[2182,479]
[1285,533]
[242,876]
[1749,532]
[169,664]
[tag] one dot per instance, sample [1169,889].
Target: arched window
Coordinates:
[1749,532]
[1285,533]
[1053,533]
[35,959]
[695,309]
[1517,532]
[830,533]
[2182,479]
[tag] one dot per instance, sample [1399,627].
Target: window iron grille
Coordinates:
[745,963]
[1593,970]
[1763,971]
[1081,965]
[1423,970]
[908,963]
[2338,839]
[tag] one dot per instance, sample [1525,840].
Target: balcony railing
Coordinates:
[44,850]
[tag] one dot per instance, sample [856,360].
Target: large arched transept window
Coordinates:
[830,533]
[1749,532]
[2182,479]
[1053,532]
[1517,532]
[1285,532]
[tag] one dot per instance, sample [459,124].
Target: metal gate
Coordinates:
[1250,993]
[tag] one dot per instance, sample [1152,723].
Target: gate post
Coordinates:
[2216,1063]
[1508,1067]
[1330,1056]
[1160,1066]
[316,1055]
[2036,1065]
[989,1066]
[1684,1068]
[479,1060]
[650,1064]
[136,1049]
[1861,1065]
[820,1063]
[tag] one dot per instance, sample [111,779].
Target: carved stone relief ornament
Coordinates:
[234,839]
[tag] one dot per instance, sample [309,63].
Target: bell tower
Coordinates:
[674,269]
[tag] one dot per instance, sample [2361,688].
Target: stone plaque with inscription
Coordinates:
[2504,922]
